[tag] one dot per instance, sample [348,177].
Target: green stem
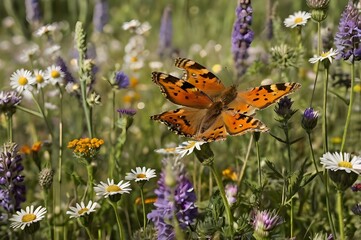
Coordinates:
[86,107]
[324,115]
[43,115]
[9,118]
[289,172]
[29,111]
[60,160]
[120,225]
[348,119]
[89,169]
[340,215]
[313,155]
[46,203]
[111,134]
[223,195]
[89,233]
[243,169]
[143,206]
[328,207]
[314,84]
[259,165]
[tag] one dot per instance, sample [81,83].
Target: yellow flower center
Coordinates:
[55,74]
[345,164]
[22,81]
[134,59]
[298,20]
[336,140]
[357,88]
[113,188]
[83,210]
[28,217]
[39,78]
[141,175]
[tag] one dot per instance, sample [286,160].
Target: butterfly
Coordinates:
[210,110]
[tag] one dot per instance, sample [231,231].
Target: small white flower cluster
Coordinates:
[24,218]
[135,51]
[24,80]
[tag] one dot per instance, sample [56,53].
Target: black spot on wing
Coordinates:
[281,86]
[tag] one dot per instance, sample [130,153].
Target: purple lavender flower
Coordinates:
[68,77]
[347,39]
[177,201]
[8,102]
[33,11]
[242,35]
[309,119]
[264,222]
[127,111]
[121,80]
[165,32]
[12,188]
[101,15]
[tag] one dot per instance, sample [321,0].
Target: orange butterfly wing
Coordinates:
[182,121]
[191,123]
[181,92]
[261,97]
[200,77]
[240,124]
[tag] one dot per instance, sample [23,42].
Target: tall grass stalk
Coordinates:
[350,105]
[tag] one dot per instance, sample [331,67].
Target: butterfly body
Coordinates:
[212,111]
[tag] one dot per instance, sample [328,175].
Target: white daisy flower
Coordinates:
[188,147]
[54,74]
[49,51]
[21,80]
[141,174]
[39,78]
[330,55]
[46,29]
[298,19]
[131,25]
[80,209]
[107,189]
[166,151]
[143,28]
[341,161]
[24,218]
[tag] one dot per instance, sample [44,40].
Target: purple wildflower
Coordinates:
[33,11]
[8,102]
[121,80]
[231,193]
[264,222]
[347,39]
[128,112]
[101,15]
[68,77]
[12,188]
[356,187]
[165,32]
[309,119]
[177,201]
[284,108]
[356,209]
[242,35]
